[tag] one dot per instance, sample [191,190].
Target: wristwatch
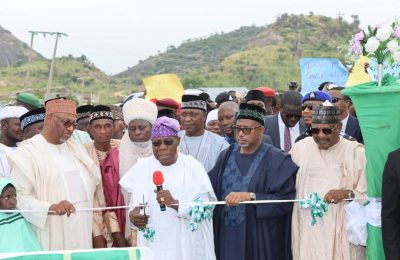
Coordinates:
[252,196]
[351,195]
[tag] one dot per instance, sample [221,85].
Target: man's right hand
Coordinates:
[99,242]
[61,208]
[137,219]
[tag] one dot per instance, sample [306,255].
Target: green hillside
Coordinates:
[75,77]
[251,56]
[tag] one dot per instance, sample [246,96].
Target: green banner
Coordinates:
[378,112]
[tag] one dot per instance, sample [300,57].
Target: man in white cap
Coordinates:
[139,115]
[10,135]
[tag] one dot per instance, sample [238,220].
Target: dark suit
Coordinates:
[272,129]
[391,206]
[353,129]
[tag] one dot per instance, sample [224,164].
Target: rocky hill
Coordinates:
[13,51]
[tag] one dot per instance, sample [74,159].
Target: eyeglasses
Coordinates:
[304,107]
[67,122]
[326,131]
[245,130]
[335,100]
[159,142]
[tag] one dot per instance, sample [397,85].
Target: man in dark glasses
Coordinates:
[310,100]
[251,170]
[183,180]
[334,168]
[350,125]
[286,126]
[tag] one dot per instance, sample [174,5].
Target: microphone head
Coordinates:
[158,178]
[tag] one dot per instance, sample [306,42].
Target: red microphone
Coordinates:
[158,180]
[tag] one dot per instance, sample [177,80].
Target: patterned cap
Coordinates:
[252,112]
[100,111]
[193,102]
[83,112]
[165,126]
[32,117]
[326,113]
[60,105]
[117,112]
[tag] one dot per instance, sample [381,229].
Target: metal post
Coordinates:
[50,82]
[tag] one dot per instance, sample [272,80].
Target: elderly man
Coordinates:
[185,180]
[139,116]
[286,126]
[350,125]
[56,176]
[10,135]
[32,122]
[109,226]
[310,100]
[203,145]
[251,170]
[334,168]
[226,119]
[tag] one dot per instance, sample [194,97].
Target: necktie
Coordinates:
[286,140]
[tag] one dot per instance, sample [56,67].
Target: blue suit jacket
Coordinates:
[272,129]
[353,129]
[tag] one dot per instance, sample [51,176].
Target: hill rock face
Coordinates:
[250,56]
[13,50]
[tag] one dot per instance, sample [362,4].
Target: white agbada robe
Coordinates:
[5,152]
[205,148]
[187,181]
[46,174]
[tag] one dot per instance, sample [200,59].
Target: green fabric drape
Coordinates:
[378,112]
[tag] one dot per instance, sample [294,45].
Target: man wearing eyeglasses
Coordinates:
[251,170]
[350,125]
[333,167]
[310,100]
[184,181]
[55,175]
[286,126]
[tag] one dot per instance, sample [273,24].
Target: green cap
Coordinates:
[29,99]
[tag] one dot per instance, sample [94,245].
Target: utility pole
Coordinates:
[29,58]
[58,35]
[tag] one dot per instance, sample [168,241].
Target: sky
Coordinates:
[116,34]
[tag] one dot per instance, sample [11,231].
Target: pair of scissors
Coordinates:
[143,206]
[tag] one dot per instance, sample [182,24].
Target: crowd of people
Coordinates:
[59,161]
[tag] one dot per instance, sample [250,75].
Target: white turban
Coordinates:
[138,108]
[212,115]
[12,112]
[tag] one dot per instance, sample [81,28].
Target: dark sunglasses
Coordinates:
[245,130]
[335,100]
[304,107]
[326,131]
[66,122]
[166,142]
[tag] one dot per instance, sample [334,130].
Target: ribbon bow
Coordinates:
[316,204]
[148,233]
[199,212]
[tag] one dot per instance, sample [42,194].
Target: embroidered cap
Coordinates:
[32,117]
[100,111]
[252,112]
[326,113]
[194,102]
[165,126]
